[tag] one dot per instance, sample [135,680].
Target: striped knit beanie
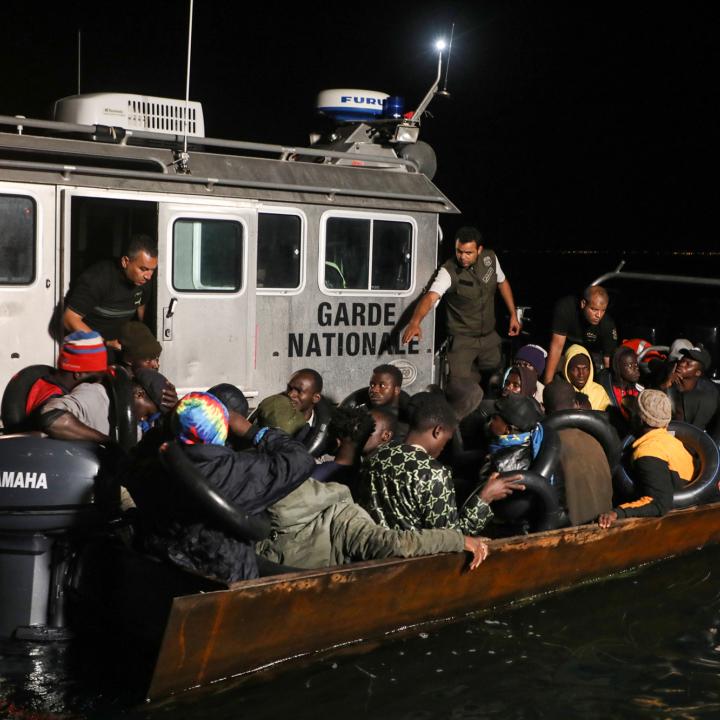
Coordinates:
[201,418]
[83,352]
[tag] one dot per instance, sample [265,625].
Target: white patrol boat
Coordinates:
[271,258]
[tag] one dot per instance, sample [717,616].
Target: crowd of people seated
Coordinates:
[396,474]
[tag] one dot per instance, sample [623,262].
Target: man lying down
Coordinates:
[313,524]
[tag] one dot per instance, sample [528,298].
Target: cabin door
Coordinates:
[206,295]
[28,279]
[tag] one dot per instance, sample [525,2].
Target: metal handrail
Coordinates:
[657,277]
[123,135]
[654,277]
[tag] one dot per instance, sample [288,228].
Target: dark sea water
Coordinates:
[641,645]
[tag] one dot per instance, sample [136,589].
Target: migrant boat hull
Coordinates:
[253,625]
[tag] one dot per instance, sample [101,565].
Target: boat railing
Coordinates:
[122,136]
[618,274]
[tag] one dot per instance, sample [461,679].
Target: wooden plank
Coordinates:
[256,623]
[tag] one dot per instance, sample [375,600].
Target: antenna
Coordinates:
[444,91]
[440,45]
[79,58]
[184,158]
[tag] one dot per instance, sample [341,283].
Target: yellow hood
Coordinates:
[599,399]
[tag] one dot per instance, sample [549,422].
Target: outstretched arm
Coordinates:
[507,296]
[557,343]
[74,322]
[65,426]
[424,306]
[353,531]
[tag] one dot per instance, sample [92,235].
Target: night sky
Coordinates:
[570,125]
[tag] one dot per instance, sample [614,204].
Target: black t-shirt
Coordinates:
[568,320]
[106,298]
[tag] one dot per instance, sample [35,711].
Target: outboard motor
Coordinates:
[53,494]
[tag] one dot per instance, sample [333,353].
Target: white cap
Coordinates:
[678,346]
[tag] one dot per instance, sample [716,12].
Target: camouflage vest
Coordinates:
[470,301]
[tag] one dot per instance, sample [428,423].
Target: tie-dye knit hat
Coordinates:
[201,418]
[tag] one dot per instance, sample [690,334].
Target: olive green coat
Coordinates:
[319,525]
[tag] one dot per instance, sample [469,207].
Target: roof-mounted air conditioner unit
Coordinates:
[132,112]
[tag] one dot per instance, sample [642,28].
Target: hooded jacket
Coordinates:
[319,525]
[661,465]
[599,399]
[173,527]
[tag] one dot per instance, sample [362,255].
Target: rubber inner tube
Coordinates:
[316,440]
[538,503]
[546,462]
[220,512]
[355,398]
[118,384]
[14,399]
[593,423]
[361,397]
[703,487]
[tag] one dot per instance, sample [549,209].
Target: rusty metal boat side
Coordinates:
[257,623]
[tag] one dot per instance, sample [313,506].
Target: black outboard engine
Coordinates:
[53,494]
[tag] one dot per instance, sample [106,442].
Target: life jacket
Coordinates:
[470,301]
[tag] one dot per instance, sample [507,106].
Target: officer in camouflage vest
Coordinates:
[468,282]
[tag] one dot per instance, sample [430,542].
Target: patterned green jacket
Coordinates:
[404,488]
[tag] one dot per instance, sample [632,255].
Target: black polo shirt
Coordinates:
[569,320]
[106,298]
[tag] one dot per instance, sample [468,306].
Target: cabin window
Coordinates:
[17,240]
[207,255]
[279,251]
[368,254]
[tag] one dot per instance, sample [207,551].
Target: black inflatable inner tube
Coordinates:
[14,398]
[538,493]
[552,515]
[703,487]
[593,423]
[546,462]
[316,440]
[119,386]
[361,396]
[220,513]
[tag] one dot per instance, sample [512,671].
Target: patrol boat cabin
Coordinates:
[270,258]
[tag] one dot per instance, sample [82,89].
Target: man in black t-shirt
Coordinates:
[694,397]
[110,293]
[585,323]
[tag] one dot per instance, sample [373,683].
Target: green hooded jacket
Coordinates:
[319,525]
